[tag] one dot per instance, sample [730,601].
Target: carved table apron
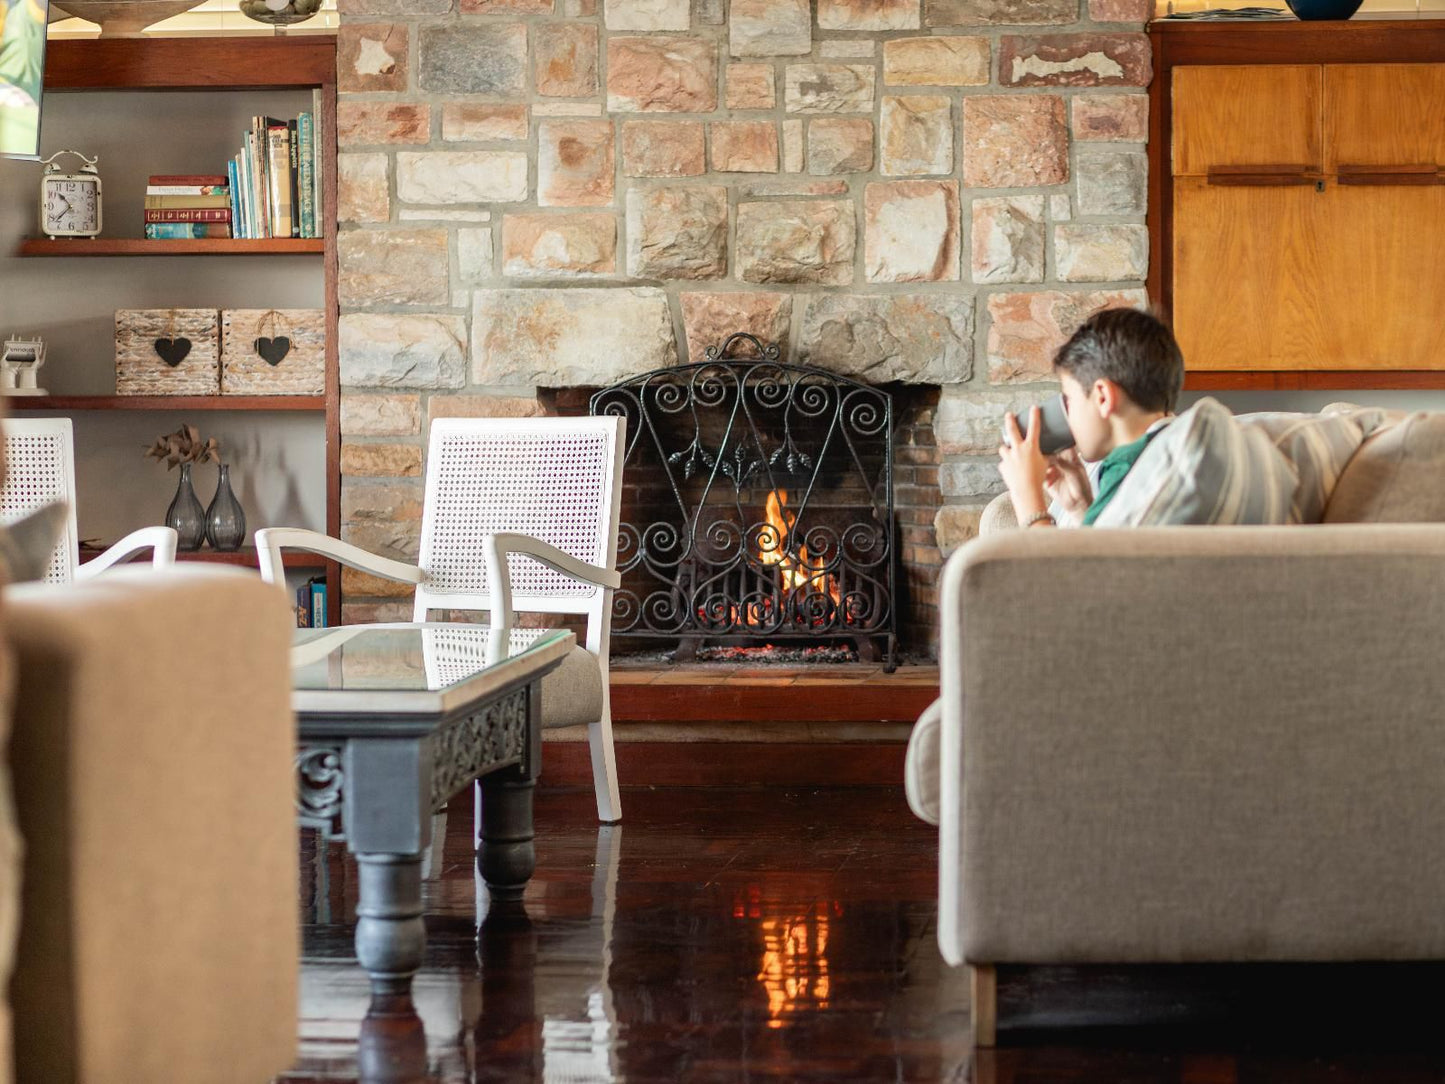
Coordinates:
[374,776]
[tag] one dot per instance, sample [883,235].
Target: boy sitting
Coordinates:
[1121,374]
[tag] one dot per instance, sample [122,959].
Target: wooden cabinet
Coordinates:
[1298,209]
[1246,116]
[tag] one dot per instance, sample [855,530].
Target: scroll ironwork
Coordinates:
[709,447]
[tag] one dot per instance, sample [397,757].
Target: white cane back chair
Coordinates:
[520,515]
[40,470]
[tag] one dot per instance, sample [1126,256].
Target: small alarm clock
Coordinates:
[70,202]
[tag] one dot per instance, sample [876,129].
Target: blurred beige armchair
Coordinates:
[151,762]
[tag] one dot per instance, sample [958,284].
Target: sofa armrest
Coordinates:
[920,765]
[1200,743]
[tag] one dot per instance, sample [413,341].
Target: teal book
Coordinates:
[305,182]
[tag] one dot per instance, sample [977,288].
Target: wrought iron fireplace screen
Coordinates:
[758,502]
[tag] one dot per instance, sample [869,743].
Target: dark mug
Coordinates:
[1055,434]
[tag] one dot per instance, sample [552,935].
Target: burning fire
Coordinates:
[797,574]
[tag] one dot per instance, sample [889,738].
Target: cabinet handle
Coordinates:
[1412,175]
[1263,176]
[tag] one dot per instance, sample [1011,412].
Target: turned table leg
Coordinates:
[388,827]
[390,934]
[506,856]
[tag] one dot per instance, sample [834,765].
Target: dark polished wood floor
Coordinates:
[772,934]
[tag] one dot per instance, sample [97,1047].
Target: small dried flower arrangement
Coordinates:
[185,446]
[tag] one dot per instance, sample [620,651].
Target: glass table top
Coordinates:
[412,666]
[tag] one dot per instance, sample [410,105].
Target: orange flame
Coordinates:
[795,571]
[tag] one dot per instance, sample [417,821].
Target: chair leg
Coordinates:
[985,1004]
[604,768]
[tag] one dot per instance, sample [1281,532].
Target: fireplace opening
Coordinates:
[757,506]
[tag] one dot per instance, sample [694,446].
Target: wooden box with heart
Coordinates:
[273,352]
[167,352]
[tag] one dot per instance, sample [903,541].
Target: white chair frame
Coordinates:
[500,600]
[40,469]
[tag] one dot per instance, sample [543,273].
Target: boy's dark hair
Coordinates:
[1134,349]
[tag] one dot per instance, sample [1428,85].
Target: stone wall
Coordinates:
[552,193]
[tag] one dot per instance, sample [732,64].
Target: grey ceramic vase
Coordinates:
[225,519]
[185,515]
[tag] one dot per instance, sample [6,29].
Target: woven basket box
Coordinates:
[273,352]
[147,341]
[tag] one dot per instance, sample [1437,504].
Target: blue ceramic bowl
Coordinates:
[1324,9]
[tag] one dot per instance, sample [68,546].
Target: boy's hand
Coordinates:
[1023,466]
[1066,483]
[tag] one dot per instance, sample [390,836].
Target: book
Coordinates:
[293,162]
[318,159]
[278,178]
[189,214]
[188,189]
[188,202]
[303,606]
[318,603]
[186,231]
[257,142]
[306,180]
[237,218]
[185,178]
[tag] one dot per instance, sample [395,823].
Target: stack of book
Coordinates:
[276,179]
[187,206]
[311,604]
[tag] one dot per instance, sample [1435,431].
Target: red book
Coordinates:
[189,178]
[189,214]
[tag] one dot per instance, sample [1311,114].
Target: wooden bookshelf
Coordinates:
[167,402]
[208,246]
[245,557]
[225,64]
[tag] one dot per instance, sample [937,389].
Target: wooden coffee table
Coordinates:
[393,720]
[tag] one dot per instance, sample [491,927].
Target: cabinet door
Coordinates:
[1237,115]
[1381,277]
[1384,115]
[1246,294]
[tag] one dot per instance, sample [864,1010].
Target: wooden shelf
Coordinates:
[167,402]
[244,557]
[206,246]
[199,63]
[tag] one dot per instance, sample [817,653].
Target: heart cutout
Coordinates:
[273,350]
[173,351]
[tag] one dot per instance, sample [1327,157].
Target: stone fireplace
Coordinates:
[540,198]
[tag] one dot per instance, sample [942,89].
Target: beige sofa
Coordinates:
[1198,743]
[150,758]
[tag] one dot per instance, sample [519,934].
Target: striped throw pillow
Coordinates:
[1204,467]
[1318,446]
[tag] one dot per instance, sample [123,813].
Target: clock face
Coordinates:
[71,206]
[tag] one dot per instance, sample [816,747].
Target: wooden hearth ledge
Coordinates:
[727,725]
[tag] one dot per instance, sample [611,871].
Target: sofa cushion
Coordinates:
[1318,446]
[572,693]
[1395,476]
[1204,467]
[26,545]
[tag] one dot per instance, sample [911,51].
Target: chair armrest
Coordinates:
[160,540]
[270,541]
[497,546]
